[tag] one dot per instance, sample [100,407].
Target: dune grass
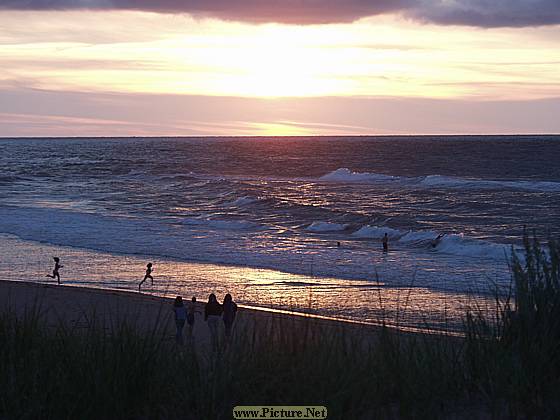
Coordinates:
[506,366]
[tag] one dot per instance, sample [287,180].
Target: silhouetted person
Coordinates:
[55,273]
[338,244]
[385,243]
[435,242]
[147,276]
[191,311]
[212,315]
[229,310]
[180,317]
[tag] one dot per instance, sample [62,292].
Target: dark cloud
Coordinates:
[488,13]
[257,11]
[482,13]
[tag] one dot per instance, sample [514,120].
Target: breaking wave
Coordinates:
[439,181]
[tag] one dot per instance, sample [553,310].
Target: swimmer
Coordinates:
[435,242]
[385,243]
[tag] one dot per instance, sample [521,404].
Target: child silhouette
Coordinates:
[55,273]
[147,276]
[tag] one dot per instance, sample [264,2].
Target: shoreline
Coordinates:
[411,307]
[80,307]
[27,292]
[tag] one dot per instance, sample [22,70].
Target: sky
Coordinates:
[291,67]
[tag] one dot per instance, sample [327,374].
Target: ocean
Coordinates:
[283,223]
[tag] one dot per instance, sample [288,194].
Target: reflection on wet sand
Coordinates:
[367,300]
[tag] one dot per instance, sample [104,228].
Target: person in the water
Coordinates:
[435,242]
[385,243]
[55,273]
[147,276]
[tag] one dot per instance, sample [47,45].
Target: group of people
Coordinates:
[57,266]
[385,241]
[214,313]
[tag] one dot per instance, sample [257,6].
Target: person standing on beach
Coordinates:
[385,243]
[190,315]
[229,312]
[180,317]
[57,266]
[212,315]
[147,276]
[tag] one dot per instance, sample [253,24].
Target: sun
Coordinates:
[279,129]
[280,66]
[267,61]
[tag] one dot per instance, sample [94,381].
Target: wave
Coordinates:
[326,227]
[221,224]
[9,179]
[346,175]
[456,243]
[418,237]
[438,181]
[243,201]
[77,160]
[376,232]
[218,241]
[452,182]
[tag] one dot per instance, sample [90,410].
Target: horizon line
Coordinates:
[284,136]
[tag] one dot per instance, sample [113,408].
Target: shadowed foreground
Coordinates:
[92,354]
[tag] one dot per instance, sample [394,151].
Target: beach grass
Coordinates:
[506,366]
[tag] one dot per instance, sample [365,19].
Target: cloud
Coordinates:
[255,11]
[33,112]
[488,13]
[481,13]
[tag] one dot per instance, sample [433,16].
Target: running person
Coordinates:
[57,266]
[147,276]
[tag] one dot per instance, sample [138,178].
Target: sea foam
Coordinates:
[326,227]
[438,181]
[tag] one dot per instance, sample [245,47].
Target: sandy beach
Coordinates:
[77,306]
[374,184]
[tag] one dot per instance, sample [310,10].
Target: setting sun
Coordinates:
[211,203]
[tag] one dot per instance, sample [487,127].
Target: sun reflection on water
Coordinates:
[364,300]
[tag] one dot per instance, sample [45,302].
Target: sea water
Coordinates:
[286,223]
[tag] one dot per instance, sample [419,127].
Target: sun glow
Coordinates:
[280,129]
[181,55]
[210,76]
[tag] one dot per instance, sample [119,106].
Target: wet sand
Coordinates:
[77,306]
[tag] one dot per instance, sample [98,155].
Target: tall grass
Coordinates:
[514,357]
[506,366]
